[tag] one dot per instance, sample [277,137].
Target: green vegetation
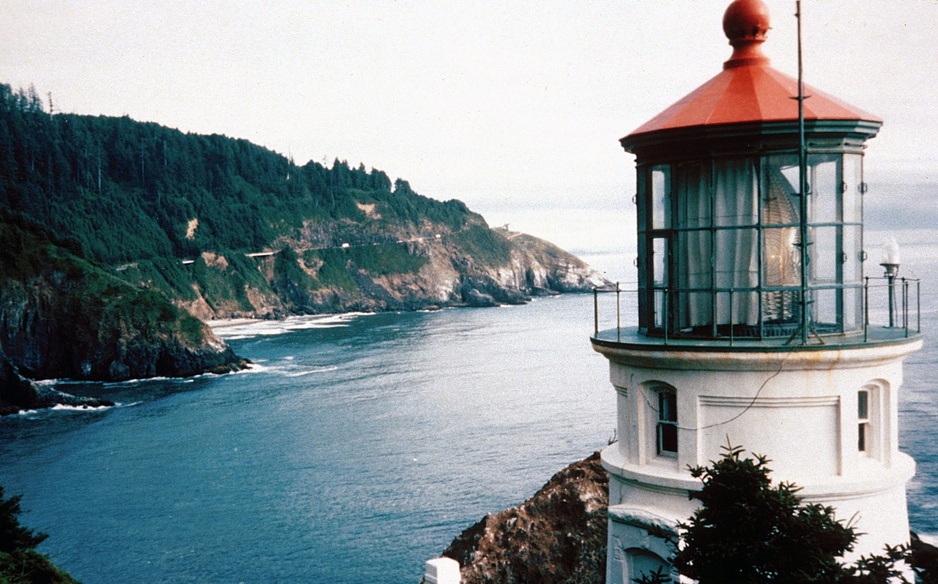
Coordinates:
[485,245]
[386,259]
[126,191]
[94,306]
[749,532]
[20,563]
[331,266]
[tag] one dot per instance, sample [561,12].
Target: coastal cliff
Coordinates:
[477,266]
[64,317]
[225,228]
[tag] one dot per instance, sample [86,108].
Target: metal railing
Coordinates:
[887,303]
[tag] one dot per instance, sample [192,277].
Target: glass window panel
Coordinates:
[694,197]
[667,422]
[853,308]
[863,405]
[780,307]
[852,255]
[825,189]
[737,308]
[667,438]
[660,261]
[660,201]
[825,307]
[735,192]
[780,204]
[853,201]
[824,259]
[659,309]
[781,257]
[792,174]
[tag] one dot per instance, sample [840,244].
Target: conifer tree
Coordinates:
[748,531]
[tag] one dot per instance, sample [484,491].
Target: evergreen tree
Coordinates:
[750,532]
[20,563]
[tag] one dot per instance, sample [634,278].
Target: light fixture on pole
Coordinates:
[890,264]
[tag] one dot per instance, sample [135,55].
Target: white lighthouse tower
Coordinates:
[755,314]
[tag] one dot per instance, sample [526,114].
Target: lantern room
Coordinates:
[732,240]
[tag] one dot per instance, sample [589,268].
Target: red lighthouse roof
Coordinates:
[748,89]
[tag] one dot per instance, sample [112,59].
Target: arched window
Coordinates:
[641,562]
[666,430]
[864,435]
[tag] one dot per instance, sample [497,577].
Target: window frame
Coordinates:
[666,428]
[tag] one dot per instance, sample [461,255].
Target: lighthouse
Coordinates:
[758,309]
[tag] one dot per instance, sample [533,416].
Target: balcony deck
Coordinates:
[631,338]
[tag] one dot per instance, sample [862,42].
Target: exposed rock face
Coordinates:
[63,317]
[18,393]
[452,270]
[556,536]
[52,327]
[559,536]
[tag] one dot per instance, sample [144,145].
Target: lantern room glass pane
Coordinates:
[825,189]
[825,259]
[780,205]
[659,262]
[826,309]
[660,202]
[853,254]
[781,257]
[735,193]
[853,308]
[736,267]
[852,187]
[694,196]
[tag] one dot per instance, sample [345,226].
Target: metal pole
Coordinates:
[891,286]
[618,315]
[595,311]
[905,306]
[803,187]
[866,309]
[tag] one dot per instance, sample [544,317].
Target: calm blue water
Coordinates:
[357,449]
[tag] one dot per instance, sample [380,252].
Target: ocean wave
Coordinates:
[264,328]
[62,407]
[304,372]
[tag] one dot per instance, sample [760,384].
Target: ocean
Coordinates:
[357,447]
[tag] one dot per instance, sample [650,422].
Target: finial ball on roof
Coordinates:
[746,21]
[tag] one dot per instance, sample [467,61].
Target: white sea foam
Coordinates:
[305,372]
[261,328]
[61,407]
[248,328]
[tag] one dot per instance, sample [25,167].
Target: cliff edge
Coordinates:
[556,536]
[64,317]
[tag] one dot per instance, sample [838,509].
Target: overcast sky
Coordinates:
[505,105]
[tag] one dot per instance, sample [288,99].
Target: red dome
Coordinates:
[748,89]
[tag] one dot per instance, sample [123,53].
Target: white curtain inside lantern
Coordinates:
[734,261]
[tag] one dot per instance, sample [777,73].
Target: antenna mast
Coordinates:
[803,188]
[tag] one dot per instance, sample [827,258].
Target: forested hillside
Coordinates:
[224,227]
[127,190]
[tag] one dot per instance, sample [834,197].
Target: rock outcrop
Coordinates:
[559,536]
[556,536]
[64,317]
[477,267]
[18,393]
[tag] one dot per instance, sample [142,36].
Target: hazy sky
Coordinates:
[505,105]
